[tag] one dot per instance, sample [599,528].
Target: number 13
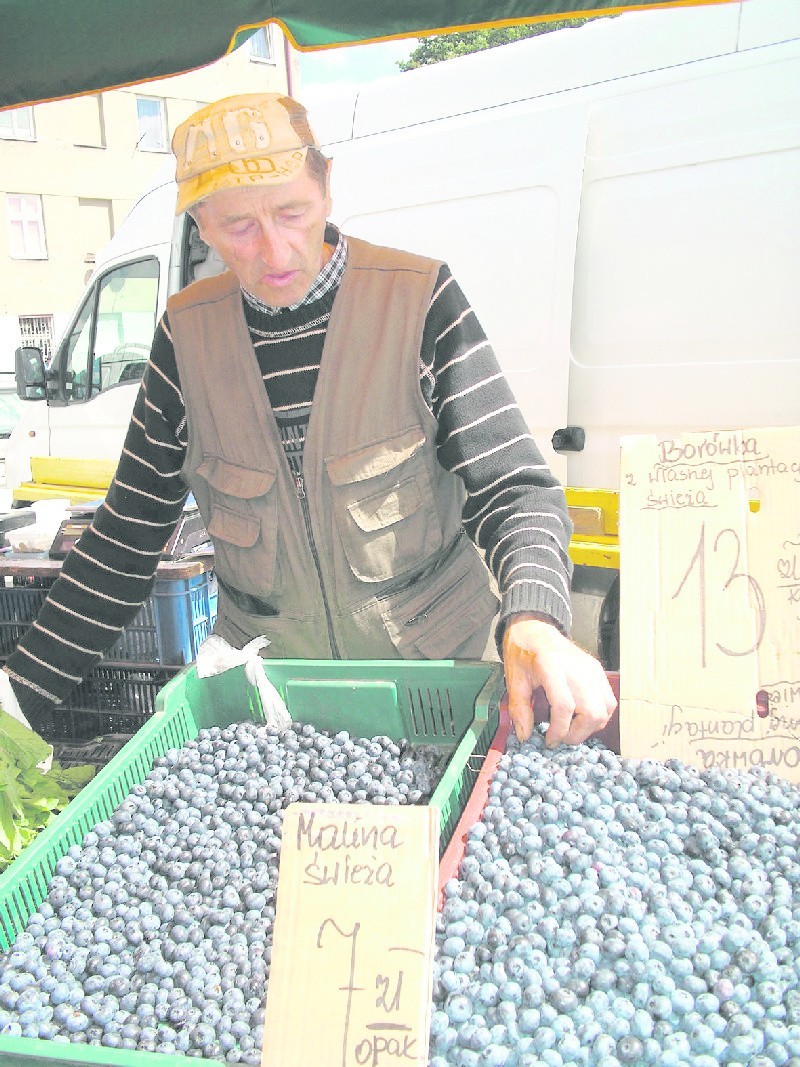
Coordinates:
[698,561]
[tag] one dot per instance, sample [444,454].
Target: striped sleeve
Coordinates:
[110,572]
[515,510]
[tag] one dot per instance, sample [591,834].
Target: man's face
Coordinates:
[271,237]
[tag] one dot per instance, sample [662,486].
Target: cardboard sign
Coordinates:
[351,973]
[710,599]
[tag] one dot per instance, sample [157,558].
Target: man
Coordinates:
[342,422]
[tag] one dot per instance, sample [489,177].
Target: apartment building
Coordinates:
[71,170]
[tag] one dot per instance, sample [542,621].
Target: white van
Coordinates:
[70,436]
[620,201]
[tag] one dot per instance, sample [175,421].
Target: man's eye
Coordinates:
[241,229]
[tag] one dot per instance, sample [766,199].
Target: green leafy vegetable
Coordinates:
[19,744]
[29,796]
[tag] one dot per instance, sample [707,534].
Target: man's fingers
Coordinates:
[520,703]
[562,711]
[577,688]
[579,711]
[581,729]
[596,710]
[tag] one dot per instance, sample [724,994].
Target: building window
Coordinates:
[37,330]
[17,124]
[152,124]
[261,45]
[25,226]
[87,121]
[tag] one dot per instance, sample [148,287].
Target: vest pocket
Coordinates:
[229,628]
[383,507]
[444,614]
[242,523]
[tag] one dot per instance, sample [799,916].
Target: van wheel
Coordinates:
[595,613]
[609,629]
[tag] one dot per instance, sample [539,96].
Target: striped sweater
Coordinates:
[515,510]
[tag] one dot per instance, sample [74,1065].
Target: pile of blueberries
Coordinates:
[156,932]
[606,913]
[610,913]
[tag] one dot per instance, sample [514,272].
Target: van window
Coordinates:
[199,261]
[73,371]
[109,343]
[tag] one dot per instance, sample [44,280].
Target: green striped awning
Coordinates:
[51,49]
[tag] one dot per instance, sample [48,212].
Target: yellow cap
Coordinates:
[254,139]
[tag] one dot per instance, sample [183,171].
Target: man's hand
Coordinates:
[536,653]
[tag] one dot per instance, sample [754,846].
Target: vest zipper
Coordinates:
[426,572]
[300,490]
[433,603]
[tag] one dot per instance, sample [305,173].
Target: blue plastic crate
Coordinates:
[172,624]
[174,621]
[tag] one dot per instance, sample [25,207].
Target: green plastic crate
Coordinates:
[451,705]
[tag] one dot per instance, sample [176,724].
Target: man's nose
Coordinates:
[273,246]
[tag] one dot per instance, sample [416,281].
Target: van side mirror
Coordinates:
[29,373]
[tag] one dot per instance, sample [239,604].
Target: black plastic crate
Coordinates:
[98,751]
[20,600]
[112,699]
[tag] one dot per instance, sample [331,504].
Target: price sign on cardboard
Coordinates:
[351,972]
[710,599]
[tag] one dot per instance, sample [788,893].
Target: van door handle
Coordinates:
[569,439]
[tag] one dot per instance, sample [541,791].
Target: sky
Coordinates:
[352,65]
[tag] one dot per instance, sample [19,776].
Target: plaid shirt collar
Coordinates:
[326,281]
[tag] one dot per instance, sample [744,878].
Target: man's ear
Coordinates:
[196,212]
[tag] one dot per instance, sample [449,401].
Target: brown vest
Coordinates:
[367,559]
